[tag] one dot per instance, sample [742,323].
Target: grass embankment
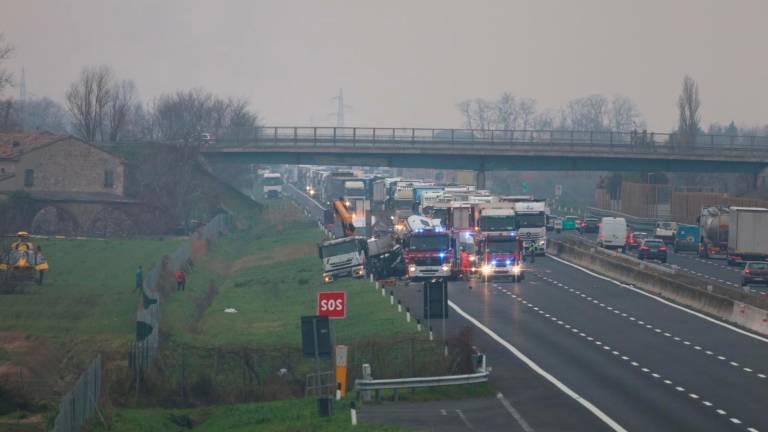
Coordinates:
[282,416]
[269,272]
[271,275]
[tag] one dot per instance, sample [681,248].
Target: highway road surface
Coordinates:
[572,350]
[640,363]
[716,270]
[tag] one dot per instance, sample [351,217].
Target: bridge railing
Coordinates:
[628,142]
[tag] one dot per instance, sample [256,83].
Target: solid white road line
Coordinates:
[638,290]
[536,368]
[519,418]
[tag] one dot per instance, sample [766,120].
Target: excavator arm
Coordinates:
[344,217]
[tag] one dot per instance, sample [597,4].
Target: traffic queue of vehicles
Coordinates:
[423,230]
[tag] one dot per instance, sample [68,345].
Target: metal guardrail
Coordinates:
[637,223]
[404,383]
[628,143]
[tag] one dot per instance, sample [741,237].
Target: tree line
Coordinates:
[101,107]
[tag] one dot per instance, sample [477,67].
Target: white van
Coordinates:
[613,233]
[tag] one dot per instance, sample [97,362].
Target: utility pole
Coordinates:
[340,109]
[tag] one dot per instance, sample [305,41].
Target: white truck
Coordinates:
[747,235]
[531,219]
[343,257]
[273,185]
[357,257]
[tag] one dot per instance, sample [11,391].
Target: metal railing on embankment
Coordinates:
[80,403]
[142,352]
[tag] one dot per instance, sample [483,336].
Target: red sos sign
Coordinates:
[332,304]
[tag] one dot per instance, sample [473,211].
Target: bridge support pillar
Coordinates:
[480,179]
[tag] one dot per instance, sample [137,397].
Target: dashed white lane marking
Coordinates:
[633,363]
[648,326]
[735,420]
[536,368]
[464,419]
[721,412]
[668,303]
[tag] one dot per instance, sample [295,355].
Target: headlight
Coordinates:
[486,269]
[327,278]
[542,243]
[516,270]
[411,269]
[445,267]
[472,258]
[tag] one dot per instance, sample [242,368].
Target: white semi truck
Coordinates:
[747,235]
[531,219]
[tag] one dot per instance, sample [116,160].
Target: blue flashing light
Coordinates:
[509,262]
[493,262]
[442,254]
[467,235]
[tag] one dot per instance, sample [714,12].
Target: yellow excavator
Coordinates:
[344,217]
[23,261]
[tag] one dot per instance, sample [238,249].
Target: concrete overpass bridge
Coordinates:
[483,150]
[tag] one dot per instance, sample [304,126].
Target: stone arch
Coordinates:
[53,220]
[111,222]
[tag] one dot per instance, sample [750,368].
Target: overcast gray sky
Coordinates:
[405,63]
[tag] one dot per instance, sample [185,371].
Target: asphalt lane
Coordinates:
[648,365]
[716,270]
[448,416]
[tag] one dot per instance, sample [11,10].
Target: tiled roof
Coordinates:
[14,144]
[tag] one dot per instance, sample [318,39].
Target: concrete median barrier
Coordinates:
[719,301]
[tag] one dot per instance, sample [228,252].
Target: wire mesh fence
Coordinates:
[143,351]
[82,401]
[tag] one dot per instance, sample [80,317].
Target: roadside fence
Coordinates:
[142,352]
[82,401]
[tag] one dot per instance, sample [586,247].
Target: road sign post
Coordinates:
[332,304]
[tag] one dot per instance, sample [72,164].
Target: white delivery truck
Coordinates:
[747,235]
[273,185]
[613,233]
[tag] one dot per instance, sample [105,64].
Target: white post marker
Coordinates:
[353,413]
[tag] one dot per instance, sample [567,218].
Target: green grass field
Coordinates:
[88,291]
[271,274]
[296,415]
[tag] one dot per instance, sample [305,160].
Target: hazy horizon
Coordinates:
[404,64]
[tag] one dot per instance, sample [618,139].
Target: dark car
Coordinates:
[755,272]
[653,249]
[635,238]
[589,225]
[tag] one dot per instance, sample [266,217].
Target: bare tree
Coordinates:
[526,108]
[506,111]
[588,113]
[42,114]
[688,105]
[184,115]
[624,115]
[6,51]
[87,100]
[122,99]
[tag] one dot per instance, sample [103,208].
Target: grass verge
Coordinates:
[282,416]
